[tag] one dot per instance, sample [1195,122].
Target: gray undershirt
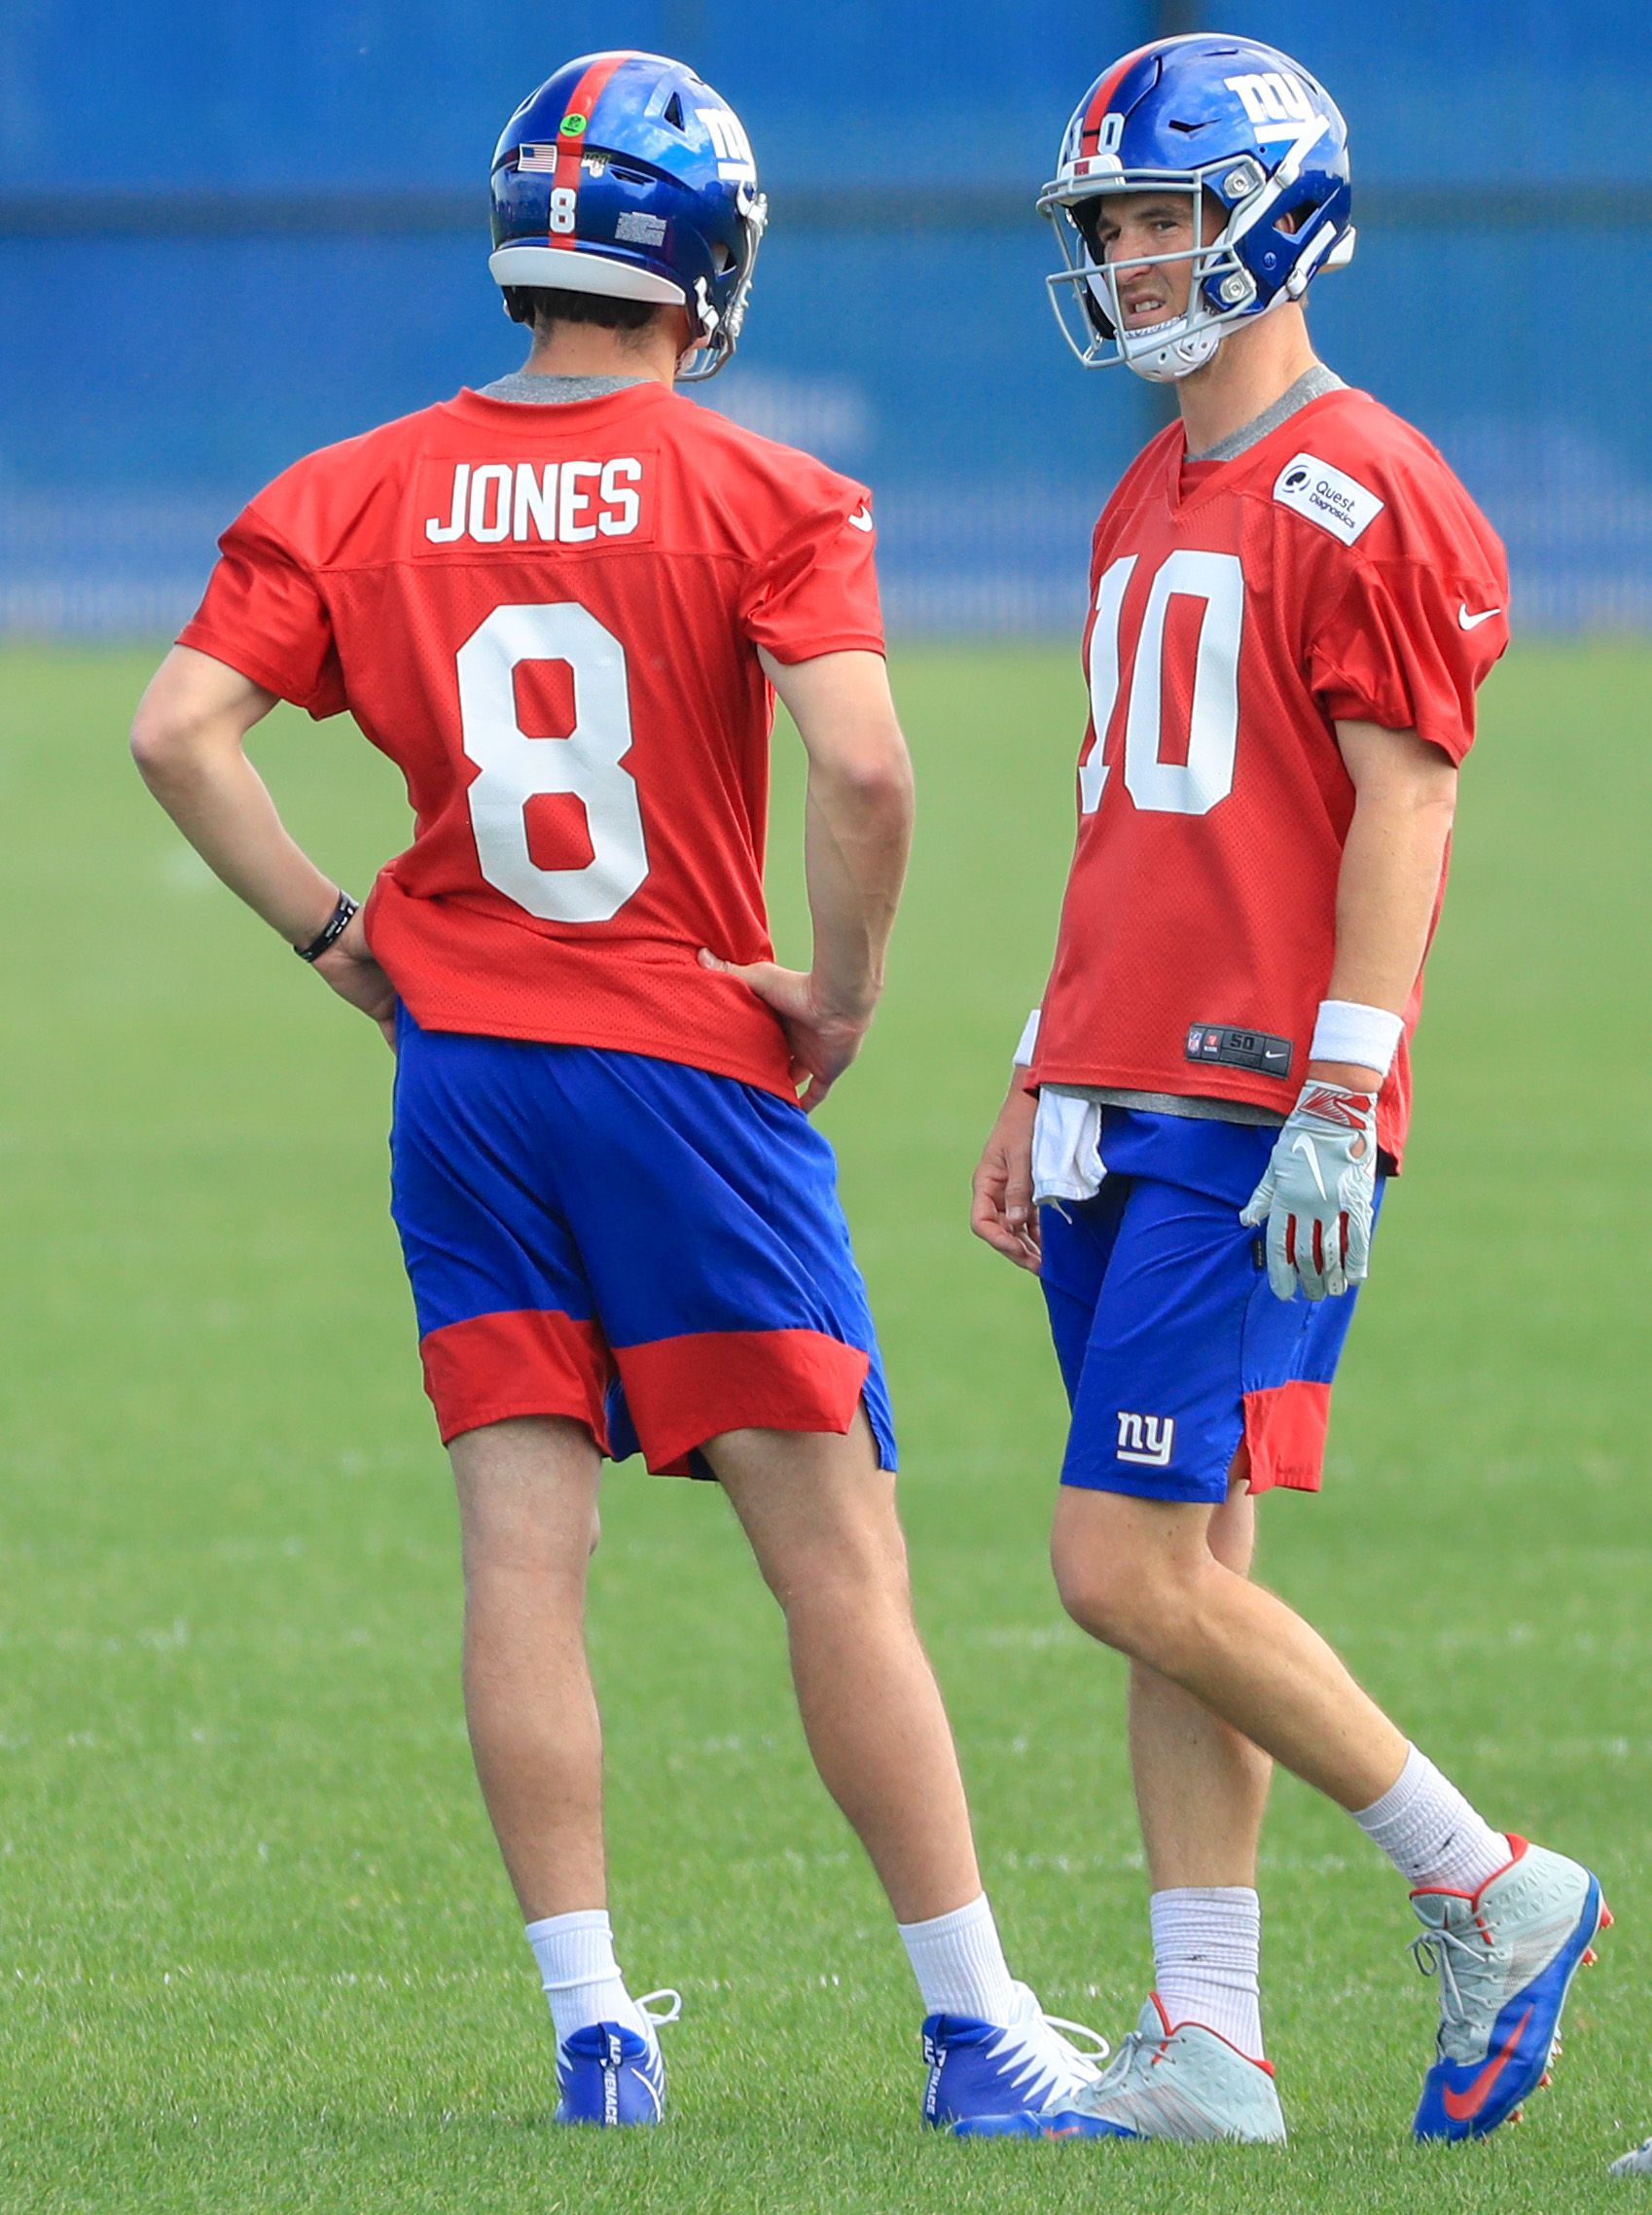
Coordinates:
[531,388]
[1313,385]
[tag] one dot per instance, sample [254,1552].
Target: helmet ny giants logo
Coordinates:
[733,148]
[1276,105]
[1146,1438]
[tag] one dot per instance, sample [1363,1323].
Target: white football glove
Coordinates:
[1317,1196]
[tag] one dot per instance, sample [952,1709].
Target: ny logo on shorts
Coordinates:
[1147,1439]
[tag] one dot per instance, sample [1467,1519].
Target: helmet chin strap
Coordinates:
[1169,351]
[1172,359]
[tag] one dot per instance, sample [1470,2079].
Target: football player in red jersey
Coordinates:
[563,605]
[1293,603]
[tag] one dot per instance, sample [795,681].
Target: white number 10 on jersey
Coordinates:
[587,762]
[1191,787]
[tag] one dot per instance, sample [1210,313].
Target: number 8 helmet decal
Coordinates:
[626,174]
[1227,122]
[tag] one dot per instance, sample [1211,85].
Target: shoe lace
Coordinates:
[1134,2050]
[670,2009]
[1082,2060]
[1433,1951]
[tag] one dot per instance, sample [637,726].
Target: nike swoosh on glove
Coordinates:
[1317,1196]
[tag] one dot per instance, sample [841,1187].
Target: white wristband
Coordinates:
[1348,1031]
[1028,1046]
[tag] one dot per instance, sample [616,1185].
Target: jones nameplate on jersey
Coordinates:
[1329,497]
[1236,1048]
[521,503]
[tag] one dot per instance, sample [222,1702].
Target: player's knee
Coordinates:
[1096,1591]
[1118,1597]
[849,1571]
[514,1539]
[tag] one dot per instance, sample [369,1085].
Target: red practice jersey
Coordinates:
[1335,571]
[549,616]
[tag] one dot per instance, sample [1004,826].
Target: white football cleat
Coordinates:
[1180,2082]
[1637,2163]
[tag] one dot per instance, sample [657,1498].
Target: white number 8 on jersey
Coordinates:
[587,762]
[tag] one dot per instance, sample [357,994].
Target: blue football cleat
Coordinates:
[1505,1957]
[1025,2066]
[611,2076]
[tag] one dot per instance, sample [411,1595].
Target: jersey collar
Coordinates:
[1216,477]
[472,407]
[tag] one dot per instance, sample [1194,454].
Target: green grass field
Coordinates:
[257,1953]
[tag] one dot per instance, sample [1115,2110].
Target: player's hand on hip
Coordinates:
[824,1040]
[1319,1191]
[1001,1209]
[349,968]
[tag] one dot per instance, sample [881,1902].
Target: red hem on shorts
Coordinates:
[683,1391]
[1284,1435]
[523,1362]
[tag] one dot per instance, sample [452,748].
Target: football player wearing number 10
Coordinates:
[562,605]
[1293,602]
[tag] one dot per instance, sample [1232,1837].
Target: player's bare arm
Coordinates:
[856,838]
[189,742]
[1388,885]
[1318,1195]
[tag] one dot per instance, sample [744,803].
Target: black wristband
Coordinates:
[331,931]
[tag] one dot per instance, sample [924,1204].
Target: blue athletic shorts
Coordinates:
[1174,1351]
[655,1251]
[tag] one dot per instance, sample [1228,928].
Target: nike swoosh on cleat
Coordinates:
[1462,2106]
[1473,621]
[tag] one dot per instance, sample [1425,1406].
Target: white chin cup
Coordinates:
[1163,358]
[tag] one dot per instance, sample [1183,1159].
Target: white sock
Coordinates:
[1429,1832]
[582,1980]
[1206,1959]
[959,1964]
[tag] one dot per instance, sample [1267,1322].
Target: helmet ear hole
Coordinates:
[1087,216]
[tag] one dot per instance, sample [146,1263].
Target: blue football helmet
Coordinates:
[626,174]
[1201,115]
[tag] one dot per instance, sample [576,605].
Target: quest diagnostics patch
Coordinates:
[1329,497]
